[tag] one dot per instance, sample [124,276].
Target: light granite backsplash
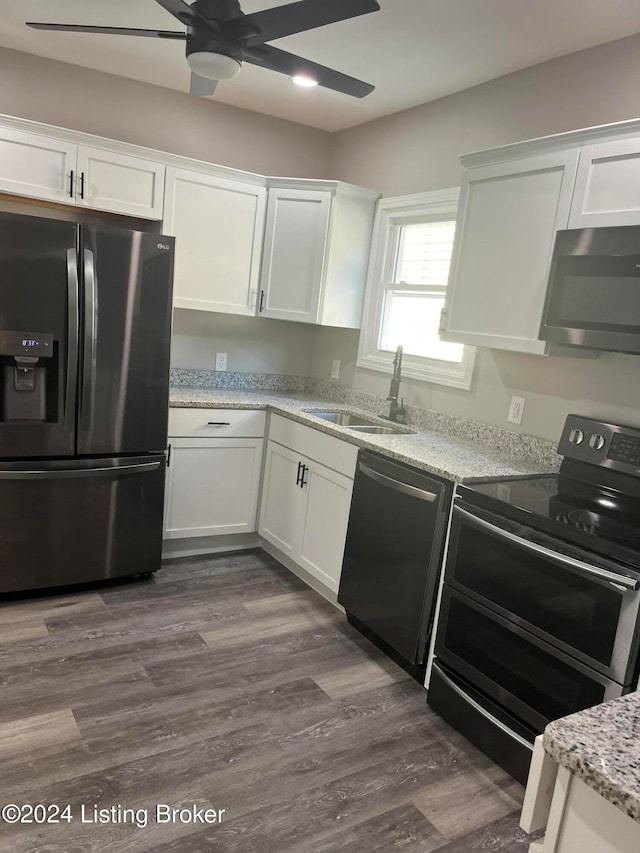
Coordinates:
[183,378]
[510,443]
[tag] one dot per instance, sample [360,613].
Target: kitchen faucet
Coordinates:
[397,413]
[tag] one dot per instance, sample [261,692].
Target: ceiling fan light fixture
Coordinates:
[213,66]
[305,81]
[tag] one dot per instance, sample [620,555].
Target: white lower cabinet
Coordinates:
[306,496]
[283,506]
[213,477]
[576,818]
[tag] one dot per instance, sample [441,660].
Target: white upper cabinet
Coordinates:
[218,225]
[607,185]
[36,166]
[316,247]
[513,200]
[59,170]
[507,220]
[293,259]
[117,183]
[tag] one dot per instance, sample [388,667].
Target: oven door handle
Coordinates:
[611,578]
[483,711]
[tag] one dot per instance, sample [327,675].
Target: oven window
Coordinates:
[565,605]
[513,665]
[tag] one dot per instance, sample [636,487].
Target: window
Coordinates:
[406,287]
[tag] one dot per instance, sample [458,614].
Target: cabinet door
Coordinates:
[36,166]
[212,486]
[294,250]
[607,185]
[218,227]
[283,505]
[119,184]
[507,221]
[325,526]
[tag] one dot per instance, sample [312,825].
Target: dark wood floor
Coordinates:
[226,683]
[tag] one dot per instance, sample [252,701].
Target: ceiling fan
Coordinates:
[220,37]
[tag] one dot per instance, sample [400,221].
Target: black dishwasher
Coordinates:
[392,556]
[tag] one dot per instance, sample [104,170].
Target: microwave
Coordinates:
[593,297]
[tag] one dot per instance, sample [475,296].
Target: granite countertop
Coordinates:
[444,455]
[602,747]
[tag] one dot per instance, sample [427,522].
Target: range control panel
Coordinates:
[600,443]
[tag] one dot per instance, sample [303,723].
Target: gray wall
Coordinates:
[418,149]
[91,101]
[252,344]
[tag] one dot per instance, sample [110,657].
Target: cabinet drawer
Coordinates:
[310,442]
[216,423]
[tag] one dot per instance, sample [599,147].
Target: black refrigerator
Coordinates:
[85,326]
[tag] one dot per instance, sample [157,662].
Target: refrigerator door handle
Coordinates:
[89,351]
[72,339]
[68,473]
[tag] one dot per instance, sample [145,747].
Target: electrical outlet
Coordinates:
[515,410]
[221,361]
[335,369]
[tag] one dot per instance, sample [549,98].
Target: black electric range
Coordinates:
[594,500]
[540,605]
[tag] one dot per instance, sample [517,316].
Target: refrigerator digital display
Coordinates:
[35,344]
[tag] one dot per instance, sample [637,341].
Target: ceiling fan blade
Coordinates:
[117,31]
[202,86]
[294,18]
[288,63]
[184,13]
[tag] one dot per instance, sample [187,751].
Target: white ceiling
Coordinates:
[413,51]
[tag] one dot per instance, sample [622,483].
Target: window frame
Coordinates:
[391,213]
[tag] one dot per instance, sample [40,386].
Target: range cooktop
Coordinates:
[593,501]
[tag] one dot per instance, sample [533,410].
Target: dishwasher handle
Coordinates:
[397,485]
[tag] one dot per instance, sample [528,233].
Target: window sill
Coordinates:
[454,375]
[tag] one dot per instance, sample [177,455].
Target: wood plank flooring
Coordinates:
[225,683]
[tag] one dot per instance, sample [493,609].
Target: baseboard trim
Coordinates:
[200,545]
[295,569]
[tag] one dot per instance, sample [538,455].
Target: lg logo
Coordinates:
[164,246]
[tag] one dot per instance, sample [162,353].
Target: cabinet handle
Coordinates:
[303,482]
[261,300]
[218,423]
[71,184]
[168,456]
[81,184]
[300,466]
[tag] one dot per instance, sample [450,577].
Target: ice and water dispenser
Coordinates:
[29,370]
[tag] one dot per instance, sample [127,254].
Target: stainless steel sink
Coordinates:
[345,419]
[380,430]
[359,423]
